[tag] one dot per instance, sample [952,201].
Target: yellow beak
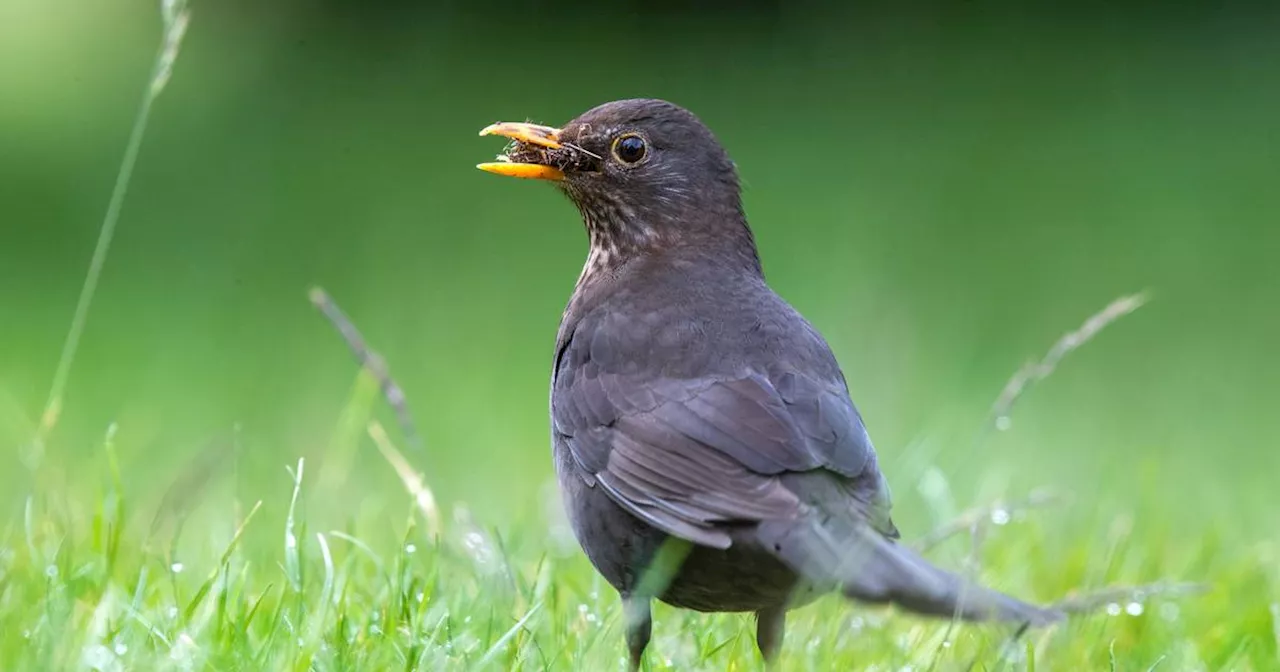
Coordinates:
[529,134]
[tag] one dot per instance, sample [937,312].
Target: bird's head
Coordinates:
[645,174]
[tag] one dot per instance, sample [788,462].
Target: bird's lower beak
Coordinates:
[532,142]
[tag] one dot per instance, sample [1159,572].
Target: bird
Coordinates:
[704,438]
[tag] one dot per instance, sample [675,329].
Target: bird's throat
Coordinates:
[616,234]
[611,246]
[620,232]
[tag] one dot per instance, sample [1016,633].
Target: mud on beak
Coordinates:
[527,157]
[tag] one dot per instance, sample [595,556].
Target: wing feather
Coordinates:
[696,456]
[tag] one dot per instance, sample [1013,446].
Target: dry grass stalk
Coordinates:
[1034,372]
[1092,601]
[412,480]
[370,360]
[177,17]
[997,512]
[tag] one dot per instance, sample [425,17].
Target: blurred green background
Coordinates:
[943,192]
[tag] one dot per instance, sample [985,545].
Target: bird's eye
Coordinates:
[629,148]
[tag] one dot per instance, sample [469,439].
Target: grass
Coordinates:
[299,572]
[84,585]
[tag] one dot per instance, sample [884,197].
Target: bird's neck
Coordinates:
[615,236]
[609,250]
[619,235]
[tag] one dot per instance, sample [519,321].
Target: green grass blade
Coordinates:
[220,567]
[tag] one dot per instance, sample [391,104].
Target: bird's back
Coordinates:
[694,317]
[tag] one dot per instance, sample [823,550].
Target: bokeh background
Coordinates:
[944,192]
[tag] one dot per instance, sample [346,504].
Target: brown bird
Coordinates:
[704,438]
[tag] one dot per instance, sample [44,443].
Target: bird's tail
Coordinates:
[869,568]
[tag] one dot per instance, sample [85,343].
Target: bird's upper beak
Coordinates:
[529,157]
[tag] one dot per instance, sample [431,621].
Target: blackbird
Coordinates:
[694,409]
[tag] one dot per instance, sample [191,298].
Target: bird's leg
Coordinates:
[770,624]
[639,624]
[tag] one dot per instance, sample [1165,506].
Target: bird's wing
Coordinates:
[692,456]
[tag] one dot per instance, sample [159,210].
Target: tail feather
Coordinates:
[869,568]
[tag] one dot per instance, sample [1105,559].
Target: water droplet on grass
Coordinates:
[1000,517]
[1133,609]
[99,658]
[1113,609]
[183,649]
[177,567]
